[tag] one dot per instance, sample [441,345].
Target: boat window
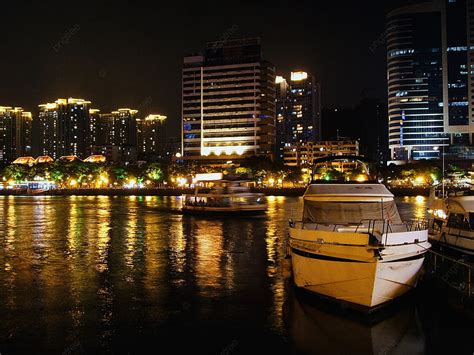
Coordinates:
[456,220]
[347,212]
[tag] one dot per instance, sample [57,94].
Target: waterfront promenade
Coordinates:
[174,191]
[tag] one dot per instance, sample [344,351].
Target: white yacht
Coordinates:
[351,244]
[451,221]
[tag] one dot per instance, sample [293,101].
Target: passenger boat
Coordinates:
[226,197]
[352,246]
[451,222]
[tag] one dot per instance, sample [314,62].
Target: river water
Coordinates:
[122,275]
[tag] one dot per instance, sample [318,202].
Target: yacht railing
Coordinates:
[454,273]
[374,227]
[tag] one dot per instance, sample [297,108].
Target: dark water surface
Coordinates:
[120,275]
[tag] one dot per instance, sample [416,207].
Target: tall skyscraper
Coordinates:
[150,137]
[94,119]
[104,127]
[124,127]
[115,134]
[430,76]
[228,102]
[64,128]
[298,111]
[15,133]
[281,116]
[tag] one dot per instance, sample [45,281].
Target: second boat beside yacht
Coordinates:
[451,223]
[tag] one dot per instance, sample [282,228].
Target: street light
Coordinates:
[442,171]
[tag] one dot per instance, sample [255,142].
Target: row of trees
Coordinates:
[81,174]
[261,170]
[422,173]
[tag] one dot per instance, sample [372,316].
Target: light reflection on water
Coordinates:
[412,207]
[84,274]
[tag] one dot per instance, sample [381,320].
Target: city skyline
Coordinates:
[209,177]
[98,55]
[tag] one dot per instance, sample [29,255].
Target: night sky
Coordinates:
[123,54]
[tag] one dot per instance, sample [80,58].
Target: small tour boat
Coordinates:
[226,197]
[351,244]
[451,221]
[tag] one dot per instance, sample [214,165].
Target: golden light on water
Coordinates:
[71,263]
[103,233]
[209,254]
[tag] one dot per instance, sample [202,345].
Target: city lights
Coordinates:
[361,178]
[190,177]
[298,75]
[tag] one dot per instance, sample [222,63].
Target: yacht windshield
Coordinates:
[350,212]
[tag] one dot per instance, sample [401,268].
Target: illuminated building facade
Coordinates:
[298,111]
[124,127]
[64,128]
[228,102]
[15,133]
[104,128]
[94,119]
[150,137]
[430,78]
[115,135]
[304,154]
[280,114]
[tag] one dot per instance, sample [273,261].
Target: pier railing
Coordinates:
[455,273]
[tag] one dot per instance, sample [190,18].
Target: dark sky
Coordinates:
[127,54]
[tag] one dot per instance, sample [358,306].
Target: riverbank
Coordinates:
[297,191]
[415,191]
[141,192]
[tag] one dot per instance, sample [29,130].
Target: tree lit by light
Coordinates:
[420,180]
[131,183]
[361,178]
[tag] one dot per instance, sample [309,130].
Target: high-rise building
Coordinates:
[298,111]
[115,134]
[304,111]
[150,137]
[94,119]
[430,78]
[15,133]
[64,128]
[228,102]
[104,128]
[124,127]
[280,114]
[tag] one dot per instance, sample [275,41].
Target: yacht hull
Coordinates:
[362,282]
[224,211]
